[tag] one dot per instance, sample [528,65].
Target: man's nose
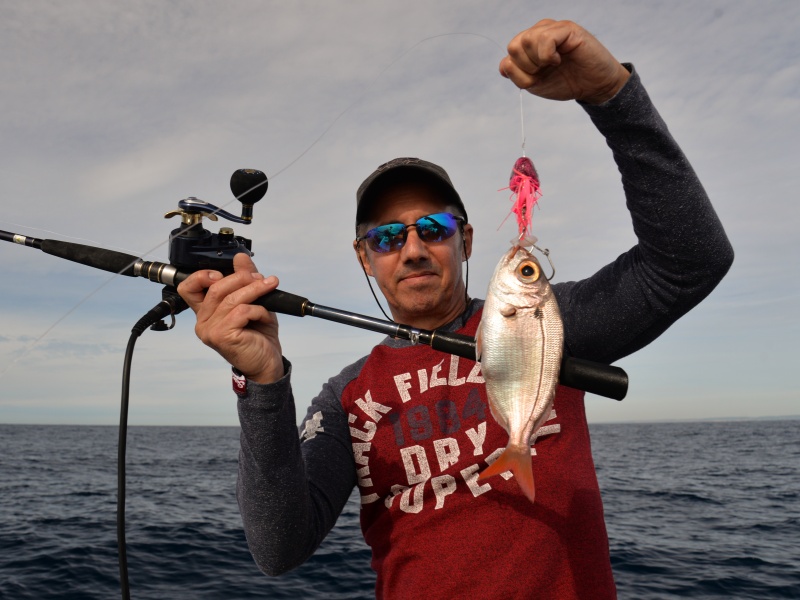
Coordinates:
[414,248]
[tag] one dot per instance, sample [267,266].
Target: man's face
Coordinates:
[422,281]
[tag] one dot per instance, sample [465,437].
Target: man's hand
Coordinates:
[559,60]
[246,335]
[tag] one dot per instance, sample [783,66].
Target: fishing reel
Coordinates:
[192,247]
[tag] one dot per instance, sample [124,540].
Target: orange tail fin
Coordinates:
[516,459]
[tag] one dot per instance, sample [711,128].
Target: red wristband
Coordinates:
[239,382]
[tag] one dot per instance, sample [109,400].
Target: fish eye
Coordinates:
[528,271]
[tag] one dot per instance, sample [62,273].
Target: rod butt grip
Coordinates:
[595,378]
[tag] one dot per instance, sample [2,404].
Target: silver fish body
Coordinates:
[519,344]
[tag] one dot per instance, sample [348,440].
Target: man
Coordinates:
[411,426]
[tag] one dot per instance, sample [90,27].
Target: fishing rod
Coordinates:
[193,248]
[596,378]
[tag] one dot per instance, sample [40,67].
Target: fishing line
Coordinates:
[375,80]
[522,121]
[277,173]
[27,350]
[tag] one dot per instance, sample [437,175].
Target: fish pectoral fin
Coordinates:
[516,459]
[508,310]
[478,343]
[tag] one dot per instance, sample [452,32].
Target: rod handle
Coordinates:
[92,256]
[284,302]
[595,378]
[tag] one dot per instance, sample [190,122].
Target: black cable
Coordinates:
[121,447]
[171,305]
[369,283]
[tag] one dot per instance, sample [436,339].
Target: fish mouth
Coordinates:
[514,249]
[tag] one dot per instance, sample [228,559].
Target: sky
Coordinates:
[112,113]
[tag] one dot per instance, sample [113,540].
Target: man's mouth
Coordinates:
[418,275]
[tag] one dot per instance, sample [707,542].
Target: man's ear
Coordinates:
[361,255]
[467,249]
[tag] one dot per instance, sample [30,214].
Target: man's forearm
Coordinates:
[682,251]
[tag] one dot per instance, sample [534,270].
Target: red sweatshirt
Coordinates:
[420,437]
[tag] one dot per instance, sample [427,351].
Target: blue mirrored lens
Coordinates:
[430,228]
[386,237]
[438,227]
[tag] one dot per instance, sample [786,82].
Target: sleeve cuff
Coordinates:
[244,387]
[630,85]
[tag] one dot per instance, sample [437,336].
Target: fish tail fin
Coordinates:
[516,459]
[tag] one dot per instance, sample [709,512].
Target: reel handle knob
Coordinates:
[249,186]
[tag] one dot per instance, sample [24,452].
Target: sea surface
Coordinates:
[694,510]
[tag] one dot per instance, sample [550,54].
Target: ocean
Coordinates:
[694,510]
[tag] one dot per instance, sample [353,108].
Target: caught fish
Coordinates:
[519,344]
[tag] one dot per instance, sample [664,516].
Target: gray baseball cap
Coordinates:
[405,169]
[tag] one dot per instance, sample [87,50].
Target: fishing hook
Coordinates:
[546,253]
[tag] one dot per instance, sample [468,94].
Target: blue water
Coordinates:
[694,510]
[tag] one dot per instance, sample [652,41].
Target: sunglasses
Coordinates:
[431,228]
